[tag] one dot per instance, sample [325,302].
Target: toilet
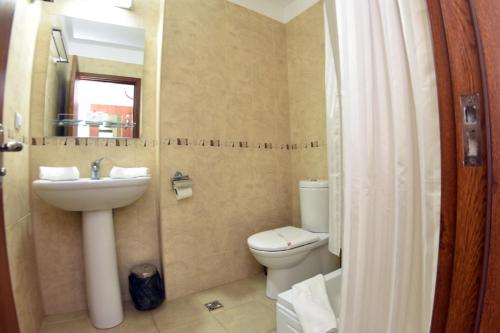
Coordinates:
[294,254]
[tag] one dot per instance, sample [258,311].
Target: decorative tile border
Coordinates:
[240,144]
[91,142]
[215,143]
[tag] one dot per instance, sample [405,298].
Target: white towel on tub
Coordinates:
[58,173]
[311,303]
[117,172]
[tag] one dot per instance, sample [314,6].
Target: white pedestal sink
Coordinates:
[96,199]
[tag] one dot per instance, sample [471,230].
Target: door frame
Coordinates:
[8,314]
[485,15]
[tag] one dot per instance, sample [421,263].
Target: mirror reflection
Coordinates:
[94,74]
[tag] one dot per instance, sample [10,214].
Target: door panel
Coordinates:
[8,318]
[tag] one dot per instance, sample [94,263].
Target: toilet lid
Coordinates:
[281,239]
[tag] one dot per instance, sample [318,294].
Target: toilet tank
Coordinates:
[314,205]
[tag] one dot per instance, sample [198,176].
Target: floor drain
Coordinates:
[214,305]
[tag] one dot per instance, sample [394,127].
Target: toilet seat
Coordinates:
[281,239]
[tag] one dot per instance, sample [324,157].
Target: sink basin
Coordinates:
[86,194]
[96,199]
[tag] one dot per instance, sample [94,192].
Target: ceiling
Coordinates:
[282,3]
[280,10]
[103,40]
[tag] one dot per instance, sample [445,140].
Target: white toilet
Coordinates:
[294,254]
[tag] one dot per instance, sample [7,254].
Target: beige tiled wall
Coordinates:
[306,72]
[224,77]
[57,233]
[17,212]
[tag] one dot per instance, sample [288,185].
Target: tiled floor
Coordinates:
[246,310]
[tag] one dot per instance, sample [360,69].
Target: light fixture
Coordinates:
[57,37]
[127,4]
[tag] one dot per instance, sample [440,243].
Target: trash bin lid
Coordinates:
[144,271]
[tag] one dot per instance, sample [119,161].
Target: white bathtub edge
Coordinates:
[286,318]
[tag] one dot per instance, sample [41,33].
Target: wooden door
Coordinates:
[8,317]
[466,36]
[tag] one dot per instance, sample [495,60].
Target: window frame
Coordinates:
[136,82]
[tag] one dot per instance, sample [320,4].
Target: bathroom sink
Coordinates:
[86,194]
[96,199]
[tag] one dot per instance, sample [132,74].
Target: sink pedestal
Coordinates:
[101,269]
[96,199]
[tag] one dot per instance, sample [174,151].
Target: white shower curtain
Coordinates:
[333,131]
[391,165]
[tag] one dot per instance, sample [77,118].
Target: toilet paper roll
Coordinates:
[183,193]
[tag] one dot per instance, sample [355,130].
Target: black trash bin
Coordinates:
[146,287]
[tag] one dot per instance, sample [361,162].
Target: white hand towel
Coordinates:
[117,172]
[311,303]
[57,174]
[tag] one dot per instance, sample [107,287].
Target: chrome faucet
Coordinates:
[95,169]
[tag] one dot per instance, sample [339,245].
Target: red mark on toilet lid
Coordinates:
[289,243]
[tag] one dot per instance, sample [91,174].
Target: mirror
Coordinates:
[93,82]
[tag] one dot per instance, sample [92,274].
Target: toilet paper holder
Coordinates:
[180,181]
